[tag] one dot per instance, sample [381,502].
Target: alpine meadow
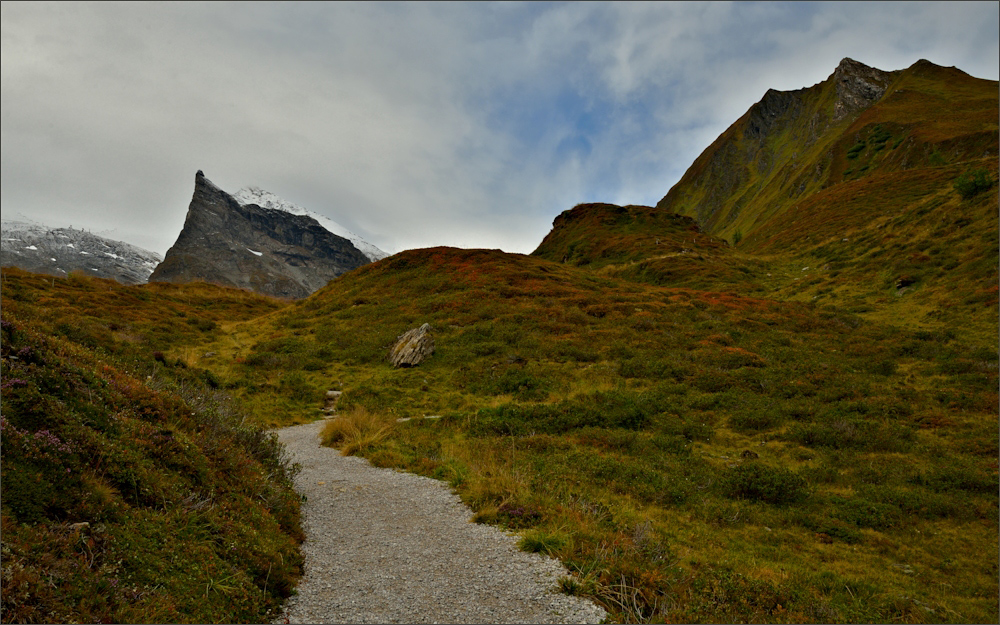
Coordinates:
[772,397]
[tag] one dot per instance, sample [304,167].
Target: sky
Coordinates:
[414,125]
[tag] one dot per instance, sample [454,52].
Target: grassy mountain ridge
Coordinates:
[584,235]
[792,144]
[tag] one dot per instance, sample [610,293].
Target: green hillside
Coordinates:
[793,144]
[648,245]
[689,454]
[133,490]
[858,208]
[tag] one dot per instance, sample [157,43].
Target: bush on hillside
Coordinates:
[760,482]
[972,183]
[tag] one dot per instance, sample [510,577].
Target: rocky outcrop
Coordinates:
[61,251]
[266,199]
[858,86]
[412,347]
[763,115]
[272,252]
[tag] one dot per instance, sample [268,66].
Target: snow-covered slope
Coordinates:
[266,199]
[59,251]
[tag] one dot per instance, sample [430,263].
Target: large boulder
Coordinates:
[412,347]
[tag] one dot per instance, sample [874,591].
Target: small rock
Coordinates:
[330,403]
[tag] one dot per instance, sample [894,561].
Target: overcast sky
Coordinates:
[471,125]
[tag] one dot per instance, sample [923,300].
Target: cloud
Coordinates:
[413,124]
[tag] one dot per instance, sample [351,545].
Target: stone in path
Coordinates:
[389,547]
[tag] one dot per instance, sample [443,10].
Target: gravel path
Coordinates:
[389,547]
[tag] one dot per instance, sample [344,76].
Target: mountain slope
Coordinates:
[133,489]
[847,189]
[266,199]
[599,234]
[858,123]
[272,252]
[61,251]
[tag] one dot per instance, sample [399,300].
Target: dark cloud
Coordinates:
[413,124]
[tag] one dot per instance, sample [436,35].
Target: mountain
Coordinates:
[266,199]
[861,123]
[61,251]
[855,181]
[266,250]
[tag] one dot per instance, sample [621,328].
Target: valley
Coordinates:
[770,398]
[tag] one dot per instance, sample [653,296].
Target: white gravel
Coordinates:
[389,547]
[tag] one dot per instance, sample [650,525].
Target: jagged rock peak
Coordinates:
[858,87]
[272,252]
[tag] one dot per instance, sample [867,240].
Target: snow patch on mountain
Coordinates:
[33,246]
[266,199]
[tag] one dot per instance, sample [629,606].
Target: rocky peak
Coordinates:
[764,114]
[272,252]
[858,86]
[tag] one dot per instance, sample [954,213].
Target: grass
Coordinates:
[355,431]
[690,455]
[133,491]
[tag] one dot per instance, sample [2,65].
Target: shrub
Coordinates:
[884,367]
[652,368]
[760,482]
[864,513]
[833,528]
[755,420]
[972,183]
[519,383]
[951,479]
[609,409]
[295,386]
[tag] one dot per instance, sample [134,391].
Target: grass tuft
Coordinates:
[356,430]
